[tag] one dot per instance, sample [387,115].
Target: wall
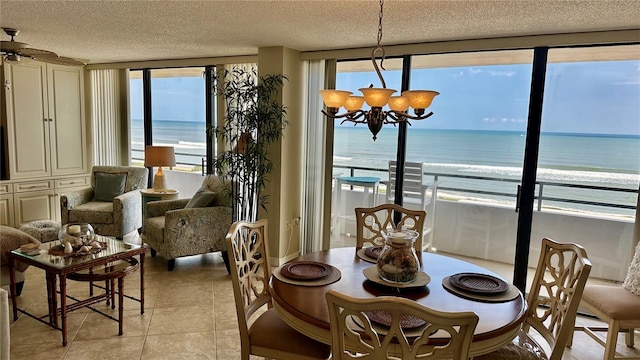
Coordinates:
[284,186]
[489,232]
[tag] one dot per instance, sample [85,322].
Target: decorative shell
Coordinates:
[85,249]
[96,245]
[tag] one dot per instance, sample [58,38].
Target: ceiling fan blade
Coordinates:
[10,46]
[39,53]
[60,60]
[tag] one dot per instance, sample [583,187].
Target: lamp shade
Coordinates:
[159,156]
[420,99]
[354,103]
[376,97]
[399,103]
[334,98]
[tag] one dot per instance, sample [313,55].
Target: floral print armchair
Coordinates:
[175,231]
[109,218]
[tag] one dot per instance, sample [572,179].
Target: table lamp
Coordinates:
[159,156]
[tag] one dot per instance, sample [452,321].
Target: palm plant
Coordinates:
[253,120]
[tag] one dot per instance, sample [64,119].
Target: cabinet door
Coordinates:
[66,109]
[35,205]
[27,120]
[6,209]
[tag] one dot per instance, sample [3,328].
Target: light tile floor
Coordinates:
[189,314]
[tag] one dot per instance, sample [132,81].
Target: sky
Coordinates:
[585,97]
[595,97]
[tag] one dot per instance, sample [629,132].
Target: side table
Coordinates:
[369,185]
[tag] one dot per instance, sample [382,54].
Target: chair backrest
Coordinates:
[412,188]
[370,222]
[376,328]
[250,270]
[137,177]
[555,293]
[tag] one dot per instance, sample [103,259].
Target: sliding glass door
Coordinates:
[589,164]
[523,144]
[472,148]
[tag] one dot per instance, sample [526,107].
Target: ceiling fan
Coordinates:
[14,50]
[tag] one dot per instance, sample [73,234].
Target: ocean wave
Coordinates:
[341,158]
[179,145]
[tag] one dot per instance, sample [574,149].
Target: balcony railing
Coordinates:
[540,196]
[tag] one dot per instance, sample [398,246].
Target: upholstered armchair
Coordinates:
[112,205]
[184,227]
[11,239]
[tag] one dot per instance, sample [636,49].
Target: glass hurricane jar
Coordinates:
[77,234]
[398,262]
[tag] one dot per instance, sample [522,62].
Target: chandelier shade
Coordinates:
[377,99]
[399,103]
[420,99]
[334,98]
[354,103]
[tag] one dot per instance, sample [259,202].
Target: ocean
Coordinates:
[586,159]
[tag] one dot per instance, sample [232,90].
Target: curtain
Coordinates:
[104,117]
[314,159]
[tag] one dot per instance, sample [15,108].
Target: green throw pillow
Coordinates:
[202,198]
[109,185]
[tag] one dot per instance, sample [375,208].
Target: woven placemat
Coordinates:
[373,251]
[305,270]
[384,318]
[361,254]
[508,295]
[479,283]
[334,276]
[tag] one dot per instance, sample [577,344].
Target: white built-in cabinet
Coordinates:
[46,139]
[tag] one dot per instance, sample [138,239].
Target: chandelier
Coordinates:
[377,98]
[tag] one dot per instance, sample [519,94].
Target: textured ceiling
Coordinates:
[117,31]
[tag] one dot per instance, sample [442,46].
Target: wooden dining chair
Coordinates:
[267,336]
[366,328]
[370,222]
[618,307]
[552,303]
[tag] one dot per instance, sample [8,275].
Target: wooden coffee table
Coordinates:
[64,267]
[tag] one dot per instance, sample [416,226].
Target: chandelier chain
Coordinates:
[379,48]
[380,23]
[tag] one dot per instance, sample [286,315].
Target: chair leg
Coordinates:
[630,337]
[153,252]
[170,264]
[612,339]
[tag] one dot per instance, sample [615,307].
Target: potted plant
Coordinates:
[253,120]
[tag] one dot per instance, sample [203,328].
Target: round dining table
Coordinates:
[305,309]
